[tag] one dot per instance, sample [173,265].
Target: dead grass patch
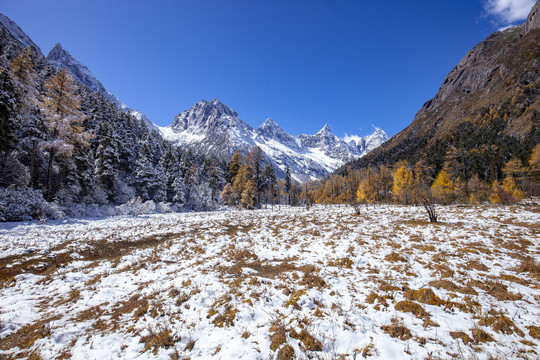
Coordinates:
[309,342]
[157,340]
[534,331]
[412,307]
[397,329]
[27,335]
[286,353]
[394,257]
[480,335]
[425,296]
[461,335]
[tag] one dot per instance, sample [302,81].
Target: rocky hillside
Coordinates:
[489,102]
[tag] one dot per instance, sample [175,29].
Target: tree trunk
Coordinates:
[49,174]
[32,163]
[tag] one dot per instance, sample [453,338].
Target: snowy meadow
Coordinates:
[286,283]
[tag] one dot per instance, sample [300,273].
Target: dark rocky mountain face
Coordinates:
[492,96]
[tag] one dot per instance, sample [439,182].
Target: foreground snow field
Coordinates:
[316,283]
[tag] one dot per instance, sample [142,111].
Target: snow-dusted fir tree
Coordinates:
[149,177]
[30,129]
[107,159]
[8,139]
[64,122]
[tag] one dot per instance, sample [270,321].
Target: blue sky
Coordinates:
[352,64]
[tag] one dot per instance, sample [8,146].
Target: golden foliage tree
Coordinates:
[64,120]
[505,193]
[403,182]
[367,189]
[443,188]
[478,190]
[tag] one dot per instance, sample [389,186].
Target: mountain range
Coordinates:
[211,128]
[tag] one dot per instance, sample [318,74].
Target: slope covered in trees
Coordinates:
[486,113]
[67,150]
[479,135]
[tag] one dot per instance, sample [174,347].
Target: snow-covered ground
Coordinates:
[319,283]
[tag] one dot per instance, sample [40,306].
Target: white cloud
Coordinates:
[508,12]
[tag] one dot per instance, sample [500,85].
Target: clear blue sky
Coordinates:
[349,63]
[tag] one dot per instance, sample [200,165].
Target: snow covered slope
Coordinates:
[20,35]
[61,58]
[212,128]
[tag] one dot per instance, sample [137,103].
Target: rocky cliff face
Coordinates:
[533,20]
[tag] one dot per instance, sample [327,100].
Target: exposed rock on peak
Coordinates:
[533,20]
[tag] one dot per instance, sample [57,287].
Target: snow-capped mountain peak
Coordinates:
[212,128]
[325,131]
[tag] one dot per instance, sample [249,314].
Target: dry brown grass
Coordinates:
[461,335]
[534,331]
[529,265]
[308,341]
[394,257]
[158,339]
[480,335]
[286,353]
[397,329]
[412,307]
[425,296]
